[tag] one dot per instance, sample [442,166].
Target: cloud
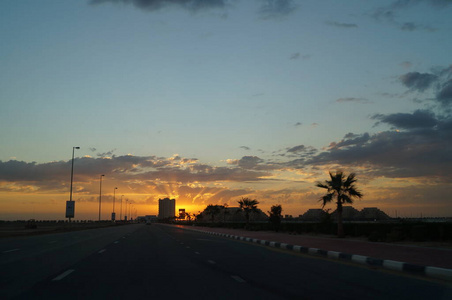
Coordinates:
[445,93]
[421,149]
[418,119]
[390,13]
[136,171]
[250,162]
[439,80]
[153,5]
[342,25]
[297,149]
[295,55]
[245,148]
[298,124]
[418,81]
[411,26]
[352,99]
[406,3]
[276,9]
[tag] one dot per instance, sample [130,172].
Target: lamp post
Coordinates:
[70,205]
[113,215]
[125,216]
[100,194]
[120,210]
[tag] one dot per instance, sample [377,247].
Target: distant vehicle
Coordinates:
[148,222]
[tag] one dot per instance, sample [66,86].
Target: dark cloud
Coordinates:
[418,119]
[245,148]
[153,5]
[342,25]
[349,141]
[439,80]
[422,149]
[275,9]
[445,93]
[249,162]
[298,124]
[128,169]
[297,149]
[411,26]
[418,81]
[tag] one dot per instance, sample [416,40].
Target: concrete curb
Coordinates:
[433,272]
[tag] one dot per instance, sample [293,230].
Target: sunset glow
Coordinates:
[207,104]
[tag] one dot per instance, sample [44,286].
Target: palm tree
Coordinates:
[344,190]
[212,210]
[275,216]
[225,211]
[248,206]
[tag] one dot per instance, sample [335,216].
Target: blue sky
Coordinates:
[230,84]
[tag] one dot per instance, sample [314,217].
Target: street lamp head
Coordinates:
[102,175]
[116,188]
[77,147]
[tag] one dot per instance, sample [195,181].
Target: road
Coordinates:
[161,262]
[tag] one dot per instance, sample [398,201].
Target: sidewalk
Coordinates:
[410,258]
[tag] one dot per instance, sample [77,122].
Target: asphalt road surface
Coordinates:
[165,262]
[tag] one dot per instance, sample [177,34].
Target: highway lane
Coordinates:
[167,262]
[25,261]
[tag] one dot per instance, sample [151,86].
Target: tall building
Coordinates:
[167,208]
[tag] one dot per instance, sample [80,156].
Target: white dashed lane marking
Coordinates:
[12,250]
[102,251]
[62,275]
[238,279]
[211,262]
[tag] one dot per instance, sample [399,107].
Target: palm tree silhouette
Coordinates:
[248,206]
[343,189]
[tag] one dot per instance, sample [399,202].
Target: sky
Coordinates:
[211,101]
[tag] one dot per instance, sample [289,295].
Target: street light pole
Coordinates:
[72,170]
[100,194]
[120,210]
[127,202]
[70,207]
[113,215]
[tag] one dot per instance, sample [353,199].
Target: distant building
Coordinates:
[313,214]
[349,213]
[372,214]
[167,208]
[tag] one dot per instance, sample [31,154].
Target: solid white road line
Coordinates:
[62,275]
[211,262]
[102,251]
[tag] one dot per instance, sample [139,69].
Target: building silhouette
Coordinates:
[167,208]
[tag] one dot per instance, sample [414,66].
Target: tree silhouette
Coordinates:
[248,206]
[212,210]
[275,216]
[343,189]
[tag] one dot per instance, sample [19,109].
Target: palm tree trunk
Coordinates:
[340,226]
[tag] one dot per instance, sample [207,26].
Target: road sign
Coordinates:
[70,209]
